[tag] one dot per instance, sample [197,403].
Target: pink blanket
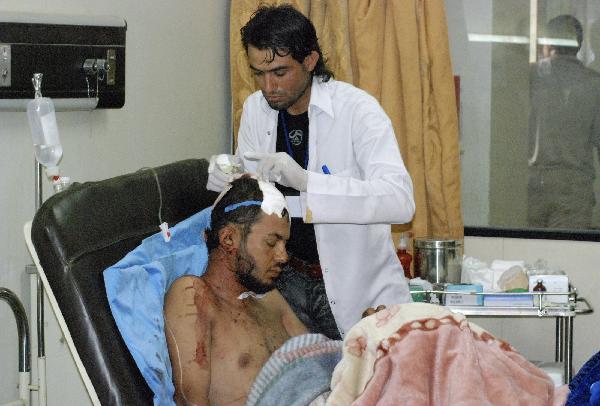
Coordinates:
[422,354]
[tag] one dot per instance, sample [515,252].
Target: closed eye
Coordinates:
[273,238]
[280,72]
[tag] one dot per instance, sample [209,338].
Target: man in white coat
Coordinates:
[332,150]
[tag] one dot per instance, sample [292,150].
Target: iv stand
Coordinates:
[37,300]
[35,278]
[37,308]
[36,311]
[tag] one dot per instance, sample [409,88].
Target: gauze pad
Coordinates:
[228,164]
[273,201]
[246,295]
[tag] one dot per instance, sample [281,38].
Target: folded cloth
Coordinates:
[312,270]
[298,373]
[422,354]
[308,299]
[585,385]
[136,286]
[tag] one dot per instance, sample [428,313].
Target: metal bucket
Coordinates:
[438,260]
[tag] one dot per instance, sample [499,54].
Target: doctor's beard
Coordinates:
[286,104]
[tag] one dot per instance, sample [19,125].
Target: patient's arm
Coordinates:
[188,338]
[291,322]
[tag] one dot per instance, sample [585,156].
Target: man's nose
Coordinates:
[270,84]
[281,255]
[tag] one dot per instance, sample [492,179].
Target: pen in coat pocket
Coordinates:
[326,170]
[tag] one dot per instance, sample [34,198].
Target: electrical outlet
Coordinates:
[4,65]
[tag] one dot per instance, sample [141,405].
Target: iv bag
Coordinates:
[44,133]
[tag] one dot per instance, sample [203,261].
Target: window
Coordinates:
[529,115]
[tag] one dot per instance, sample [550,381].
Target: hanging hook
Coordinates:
[96,67]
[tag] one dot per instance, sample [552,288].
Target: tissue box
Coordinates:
[553,283]
[511,300]
[457,299]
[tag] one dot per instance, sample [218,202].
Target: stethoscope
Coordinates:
[286,135]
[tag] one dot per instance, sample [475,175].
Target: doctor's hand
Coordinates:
[221,171]
[371,311]
[279,167]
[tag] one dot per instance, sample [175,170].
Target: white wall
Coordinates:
[534,338]
[177,106]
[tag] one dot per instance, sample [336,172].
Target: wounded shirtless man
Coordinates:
[222,327]
[221,330]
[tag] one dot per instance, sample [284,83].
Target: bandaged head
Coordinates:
[242,202]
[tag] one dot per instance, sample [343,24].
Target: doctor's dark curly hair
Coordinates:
[285,31]
[242,189]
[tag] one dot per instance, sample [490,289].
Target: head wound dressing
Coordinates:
[273,201]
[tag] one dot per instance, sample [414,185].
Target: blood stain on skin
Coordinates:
[201,354]
[202,298]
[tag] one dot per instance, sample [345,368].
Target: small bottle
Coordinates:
[44,130]
[403,255]
[539,287]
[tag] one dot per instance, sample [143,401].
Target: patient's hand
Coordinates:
[371,311]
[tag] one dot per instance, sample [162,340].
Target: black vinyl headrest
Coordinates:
[90,226]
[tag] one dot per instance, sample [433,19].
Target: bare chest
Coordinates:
[241,343]
[247,331]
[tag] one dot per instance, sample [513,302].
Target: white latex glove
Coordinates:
[221,171]
[279,167]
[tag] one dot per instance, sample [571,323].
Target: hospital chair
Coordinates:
[78,233]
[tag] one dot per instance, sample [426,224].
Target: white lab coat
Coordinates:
[352,209]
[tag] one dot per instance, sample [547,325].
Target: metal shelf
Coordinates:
[576,305]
